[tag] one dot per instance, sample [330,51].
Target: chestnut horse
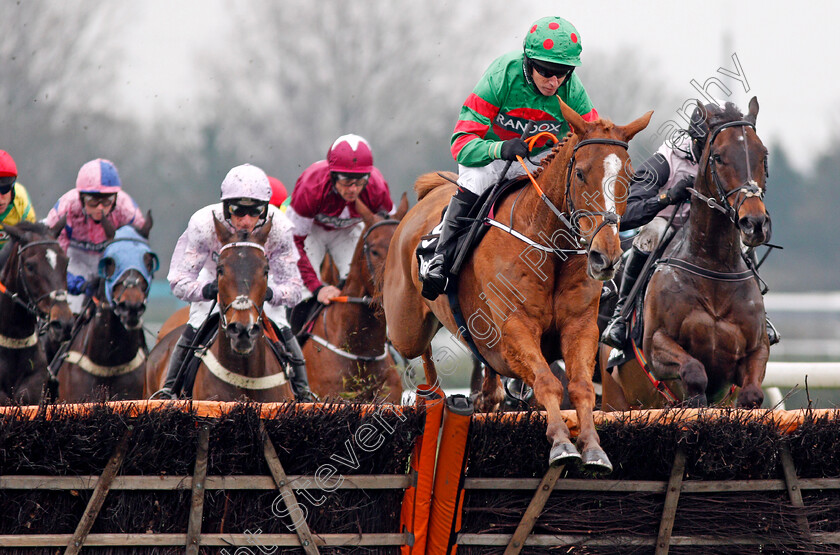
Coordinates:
[107,355]
[240,363]
[33,291]
[704,321]
[347,350]
[522,305]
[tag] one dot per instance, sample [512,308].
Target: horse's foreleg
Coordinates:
[525,360]
[579,344]
[752,376]
[667,357]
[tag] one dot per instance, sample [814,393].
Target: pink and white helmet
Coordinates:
[99,177]
[246,181]
[350,154]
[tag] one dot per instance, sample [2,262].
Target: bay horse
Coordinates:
[240,363]
[33,294]
[704,320]
[107,355]
[347,349]
[524,306]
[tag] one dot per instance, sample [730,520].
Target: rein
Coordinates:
[365,301]
[571,220]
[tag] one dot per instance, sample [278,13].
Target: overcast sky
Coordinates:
[789,54]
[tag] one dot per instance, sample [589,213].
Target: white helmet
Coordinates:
[246,181]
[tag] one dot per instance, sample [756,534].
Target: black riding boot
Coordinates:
[615,333]
[174,380]
[435,274]
[297,373]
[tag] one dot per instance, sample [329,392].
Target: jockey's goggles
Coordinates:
[351,179]
[561,72]
[6,183]
[92,201]
[242,210]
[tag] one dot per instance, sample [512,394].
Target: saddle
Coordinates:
[428,243]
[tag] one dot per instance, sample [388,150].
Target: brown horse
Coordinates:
[240,363]
[107,355]
[347,351]
[704,320]
[522,305]
[33,284]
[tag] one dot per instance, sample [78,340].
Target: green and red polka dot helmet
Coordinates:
[553,39]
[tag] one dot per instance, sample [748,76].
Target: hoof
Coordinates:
[596,460]
[563,453]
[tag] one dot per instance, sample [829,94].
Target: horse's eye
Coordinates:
[717,158]
[220,271]
[30,267]
[579,174]
[265,270]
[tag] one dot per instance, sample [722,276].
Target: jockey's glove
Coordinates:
[513,148]
[210,290]
[269,294]
[678,193]
[75,284]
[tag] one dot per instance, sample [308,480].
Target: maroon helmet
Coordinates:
[350,154]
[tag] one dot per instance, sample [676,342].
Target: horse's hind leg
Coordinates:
[490,395]
[666,356]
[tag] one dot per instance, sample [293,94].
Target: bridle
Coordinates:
[609,218]
[574,215]
[749,188]
[241,302]
[366,246]
[27,302]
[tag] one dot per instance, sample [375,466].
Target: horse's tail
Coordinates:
[429,181]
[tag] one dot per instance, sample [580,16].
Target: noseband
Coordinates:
[750,187]
[241,302]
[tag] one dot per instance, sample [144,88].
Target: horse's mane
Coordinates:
[555,150]
[33,227]
[717,116]
[427,182]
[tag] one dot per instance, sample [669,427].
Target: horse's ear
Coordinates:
[260,235]
[574,119]
[402,207]
[367,216]
[108,228]
[222,232]
[753,113]
[13,232]
[55,230]
[635,126]
[107,266]
[147,225]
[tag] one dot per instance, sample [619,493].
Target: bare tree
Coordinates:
[299,74]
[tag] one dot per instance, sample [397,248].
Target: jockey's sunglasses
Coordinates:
[351,179]
[6,184]
[94,201]
[242,210]
[548,73]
